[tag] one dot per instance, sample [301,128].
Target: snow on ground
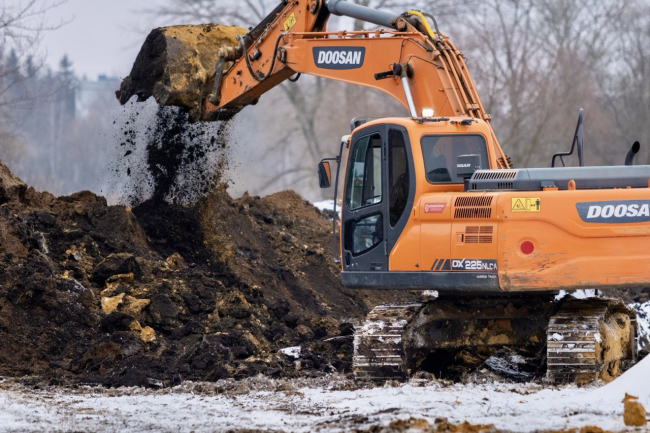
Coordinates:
[324,205]
[643,319]
[333,404]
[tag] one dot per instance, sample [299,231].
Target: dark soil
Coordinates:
[162,293]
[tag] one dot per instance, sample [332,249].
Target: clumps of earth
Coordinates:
[169,158]
[162,292]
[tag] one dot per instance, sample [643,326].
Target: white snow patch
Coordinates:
[635,381]
[293,352]
[324,205]
[643,319]
[556,337]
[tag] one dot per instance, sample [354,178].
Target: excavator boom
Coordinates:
[420,68]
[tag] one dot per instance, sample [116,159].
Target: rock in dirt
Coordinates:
[115,264]
[633,412]
[176,65]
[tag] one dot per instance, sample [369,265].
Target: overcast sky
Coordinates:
[102,36]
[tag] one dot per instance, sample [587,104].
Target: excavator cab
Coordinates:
[393,166]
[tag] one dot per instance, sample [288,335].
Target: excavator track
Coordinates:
[589,339]
[378,350]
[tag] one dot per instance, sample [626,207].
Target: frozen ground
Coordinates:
[319,405]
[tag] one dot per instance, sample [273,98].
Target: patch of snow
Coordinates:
[635,381]
[325,205]
[643,320]
[430,294]
[584,294]
[556,337]
[292,352]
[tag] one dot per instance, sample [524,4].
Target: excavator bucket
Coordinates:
[176,65]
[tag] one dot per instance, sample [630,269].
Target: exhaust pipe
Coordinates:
[629,159]
[363,13]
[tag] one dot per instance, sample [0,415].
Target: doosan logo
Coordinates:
[619,211]
[339,57]
[463,165]
[627,211]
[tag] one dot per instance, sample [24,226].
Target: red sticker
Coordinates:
[434,207]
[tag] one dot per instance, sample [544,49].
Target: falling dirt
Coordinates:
[176,65]
[165,157]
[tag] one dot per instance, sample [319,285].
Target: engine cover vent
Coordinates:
[473,207]
[495,174]
[478,201]
[479,234]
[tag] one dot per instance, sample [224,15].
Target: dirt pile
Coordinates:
[162,293]
[176,65]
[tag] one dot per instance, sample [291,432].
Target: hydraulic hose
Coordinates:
[248,61]
[420,15]
[435,23]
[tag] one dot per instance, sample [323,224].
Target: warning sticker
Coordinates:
[289,22]
[526,204]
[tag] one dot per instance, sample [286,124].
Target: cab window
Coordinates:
[440,153]
[398,176]
[365,173]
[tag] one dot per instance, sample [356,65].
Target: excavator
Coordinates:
[430,202]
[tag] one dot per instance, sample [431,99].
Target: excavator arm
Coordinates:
[418,67]
[293,43]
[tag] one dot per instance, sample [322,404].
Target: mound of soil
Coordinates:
[162,293]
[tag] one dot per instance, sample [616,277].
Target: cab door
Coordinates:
[379,190]
[364,203]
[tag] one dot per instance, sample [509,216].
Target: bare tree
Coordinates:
[534,62]
[625,84]
[21,27]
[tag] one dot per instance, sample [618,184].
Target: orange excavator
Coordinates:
[430,201]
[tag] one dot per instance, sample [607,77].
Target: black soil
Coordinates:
[164,292]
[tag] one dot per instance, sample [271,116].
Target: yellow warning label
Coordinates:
[526,204]
[289,22]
